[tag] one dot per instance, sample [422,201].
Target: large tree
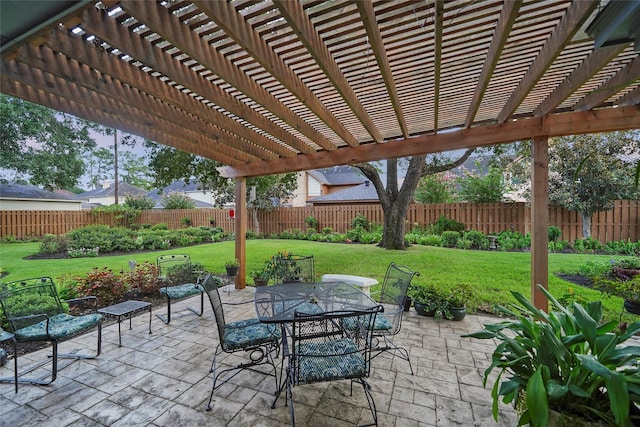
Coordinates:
[42,146]
[588,172]
[169,164]
[395,198]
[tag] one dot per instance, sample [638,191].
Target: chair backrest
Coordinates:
[393,294]
[332,345]
[294,268]
[396,284]
[211,285]
[26,302]
[175,268]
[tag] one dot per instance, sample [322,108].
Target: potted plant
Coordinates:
[425,299]
[232,267]
[564,365]
[260,277]
[456,301]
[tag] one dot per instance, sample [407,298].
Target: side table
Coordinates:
[8,336]
[127,308]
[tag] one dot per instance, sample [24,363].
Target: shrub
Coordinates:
[103,284]
[327,230]
[160,226]
[444,224]
[139,201]
[186,221]
[559,246]
[177,200]
[143,277]
[360,221]
[450,239]
[554,233]
[311,222]
[588,245]
[477,239]
[430,240]
[463,243]
[51,243]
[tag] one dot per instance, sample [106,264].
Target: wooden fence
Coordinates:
[620,223]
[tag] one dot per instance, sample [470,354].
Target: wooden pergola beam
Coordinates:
[507,17]
[587,69]
[377,45]
[157,18]
[557,125]
[301,25]
[437,58]
[630,73]
[72,71]
[576,15]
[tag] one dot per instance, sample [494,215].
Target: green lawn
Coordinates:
[492,274]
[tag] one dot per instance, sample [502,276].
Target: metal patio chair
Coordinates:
[180,281]
[35,312]
[295,268]
[392,296]
[257,340]
[331,346]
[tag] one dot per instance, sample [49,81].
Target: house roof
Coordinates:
[21,191]
[363,193]
[338,175]
[123,188]
[267,87]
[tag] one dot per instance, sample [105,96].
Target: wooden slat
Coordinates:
[587,69]
[575,16]
[156,18]
[505,22]
[630,73]
[373,32]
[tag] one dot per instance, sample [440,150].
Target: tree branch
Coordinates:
[436,167]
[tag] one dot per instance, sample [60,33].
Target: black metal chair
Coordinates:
[34,312]
[294,268]
[392,296]
[257,340]
[180,281]
[331,346]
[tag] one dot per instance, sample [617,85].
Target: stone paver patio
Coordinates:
[163,379]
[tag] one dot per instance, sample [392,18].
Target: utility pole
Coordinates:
[115,155]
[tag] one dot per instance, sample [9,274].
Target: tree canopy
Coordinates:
[40,146]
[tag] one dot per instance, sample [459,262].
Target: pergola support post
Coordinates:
[241,231]
[539,221]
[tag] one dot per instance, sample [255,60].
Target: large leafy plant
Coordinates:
[565,360]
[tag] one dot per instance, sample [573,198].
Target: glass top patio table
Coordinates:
[278,303]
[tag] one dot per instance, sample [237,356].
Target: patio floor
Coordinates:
[163,379]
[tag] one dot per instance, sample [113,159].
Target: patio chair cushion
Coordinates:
[382,323]
[243,323]
[60,326]
[181,291]
[305,307]
[337,358]
[249,335]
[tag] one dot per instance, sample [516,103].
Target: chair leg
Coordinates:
[389,345]
[201,306]
[372,403]
[167,319]
[55,367]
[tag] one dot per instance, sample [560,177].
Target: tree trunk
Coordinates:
[393,234]
[586,225]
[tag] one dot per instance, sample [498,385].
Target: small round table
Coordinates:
[8,336]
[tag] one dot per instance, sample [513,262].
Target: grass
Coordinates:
[492,274]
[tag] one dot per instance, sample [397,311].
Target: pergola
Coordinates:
[266,86]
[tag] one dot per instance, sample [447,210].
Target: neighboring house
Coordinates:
[203,199]
[20,197]
[106,196]
[322,182]
[360,194]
